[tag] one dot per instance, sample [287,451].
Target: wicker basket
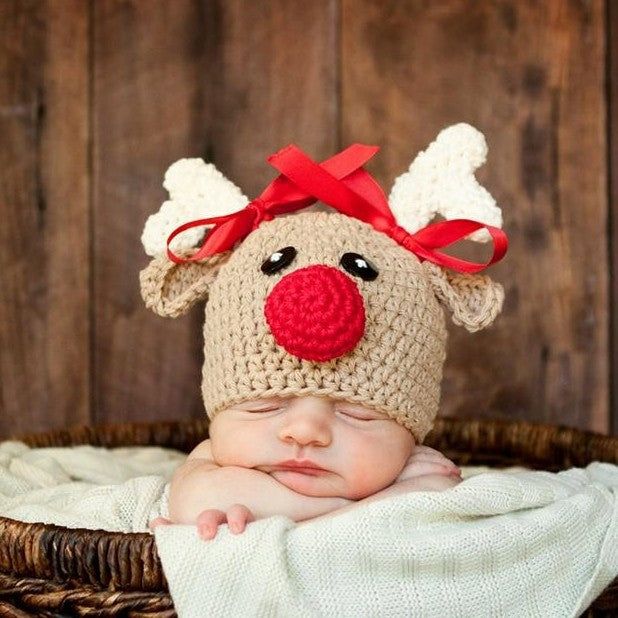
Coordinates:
[48,570]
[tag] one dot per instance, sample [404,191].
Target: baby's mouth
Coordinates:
[303,466]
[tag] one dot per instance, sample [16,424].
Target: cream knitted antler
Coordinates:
[441,181]
[197,190]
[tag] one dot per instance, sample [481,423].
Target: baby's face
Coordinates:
[314,446]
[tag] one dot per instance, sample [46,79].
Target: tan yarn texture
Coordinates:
[474,301]
[395,368]
[171,290]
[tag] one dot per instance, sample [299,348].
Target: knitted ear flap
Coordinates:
[473,300]
[170,289]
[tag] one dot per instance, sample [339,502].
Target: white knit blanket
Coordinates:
[84,486]
[516,544]
[521,544]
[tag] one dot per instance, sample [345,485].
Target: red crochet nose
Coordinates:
[316,313]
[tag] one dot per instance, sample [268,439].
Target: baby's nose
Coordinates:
[306,428]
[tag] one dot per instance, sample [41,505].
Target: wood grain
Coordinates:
[223,81]
[98,98]
[612,77]
[531,76]
[44,244]
[151,87]
[276,82]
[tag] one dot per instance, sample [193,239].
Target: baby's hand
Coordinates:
[426,461]
[159,521]
[237,517]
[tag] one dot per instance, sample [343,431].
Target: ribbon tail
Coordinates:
[349,160]
[226,231]
[444,233]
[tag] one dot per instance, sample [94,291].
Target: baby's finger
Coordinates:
[423,468]
[208,523]
[447,464]
[431,459]
[426,452]
[238,516]
[423,448]
[159,521]
[431,455]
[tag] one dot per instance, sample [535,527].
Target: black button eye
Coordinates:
[359,266]
[278,260]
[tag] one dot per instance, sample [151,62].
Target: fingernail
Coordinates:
[206,532]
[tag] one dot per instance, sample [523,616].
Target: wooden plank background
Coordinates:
[97,98]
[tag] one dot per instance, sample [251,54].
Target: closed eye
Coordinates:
[262,406]
[359,413]
[259,410]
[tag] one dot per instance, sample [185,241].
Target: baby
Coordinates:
[324,332]
[301,457]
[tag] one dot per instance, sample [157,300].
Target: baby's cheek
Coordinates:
[238,451]
[223,452]
[231,443]
[370,478]
[227,457]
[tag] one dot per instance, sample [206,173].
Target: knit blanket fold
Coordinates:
[520,544]
[499,544]
[91,487]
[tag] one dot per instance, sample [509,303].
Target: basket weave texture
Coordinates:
[48,570]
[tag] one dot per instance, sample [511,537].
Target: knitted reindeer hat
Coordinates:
[347,304]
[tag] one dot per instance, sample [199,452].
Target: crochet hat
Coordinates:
[346,305]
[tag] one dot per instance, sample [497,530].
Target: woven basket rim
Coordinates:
[129,561]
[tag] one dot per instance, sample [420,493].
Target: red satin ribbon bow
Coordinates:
[342,183]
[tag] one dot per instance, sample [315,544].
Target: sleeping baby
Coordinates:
[324,332]
[301,457]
